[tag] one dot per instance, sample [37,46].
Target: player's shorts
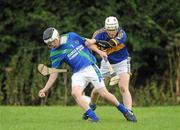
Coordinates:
[121,67]
[90,74]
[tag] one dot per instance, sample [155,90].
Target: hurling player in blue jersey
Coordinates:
[74,50]
[118,57]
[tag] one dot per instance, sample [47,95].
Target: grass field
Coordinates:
[69,118]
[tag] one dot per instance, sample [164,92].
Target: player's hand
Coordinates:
[103,44]
[42,93]
[103,54]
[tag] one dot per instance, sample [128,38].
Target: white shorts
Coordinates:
[90,74]
[119,68]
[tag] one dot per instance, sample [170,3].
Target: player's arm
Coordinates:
[104,44]
[56,62]
[98,51]
[120,39]
[99,43]
[91,44]
[49,83]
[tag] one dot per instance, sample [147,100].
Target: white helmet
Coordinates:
[111,23]
[50,34]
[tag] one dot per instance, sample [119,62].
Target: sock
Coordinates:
[92,115]
[122,108]
[130,110]
[92,106]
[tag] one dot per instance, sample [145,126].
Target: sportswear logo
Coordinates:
[71,45]
[76,41]
[120,35]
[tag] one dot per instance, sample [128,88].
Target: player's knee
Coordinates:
[74,94]
[123,88]
[94,94]
[95,91]
[104,93]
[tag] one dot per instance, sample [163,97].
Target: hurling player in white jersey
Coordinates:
[118,57]
[74,50]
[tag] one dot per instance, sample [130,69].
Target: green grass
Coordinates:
[69,118]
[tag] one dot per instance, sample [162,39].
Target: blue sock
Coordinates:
[92,106]
[92,115]
[122,108]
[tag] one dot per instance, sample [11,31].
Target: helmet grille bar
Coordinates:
[48,33]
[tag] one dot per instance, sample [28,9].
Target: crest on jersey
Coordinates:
[120,35]
[76,41]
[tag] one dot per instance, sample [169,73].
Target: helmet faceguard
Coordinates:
[111,23]
[50,34]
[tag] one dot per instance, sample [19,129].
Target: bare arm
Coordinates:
[90,43]
[49,83]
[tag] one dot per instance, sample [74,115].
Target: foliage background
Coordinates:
[153,30]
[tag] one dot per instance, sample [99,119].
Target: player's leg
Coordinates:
[94,98]
[99,85]
[94,94]
[124,71]
[87,98]
[78,85]
[104,93]
[77,94]
[112,99]
[92,106]
[124,89]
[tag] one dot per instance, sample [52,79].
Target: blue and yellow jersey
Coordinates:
[73,52]
[117,53]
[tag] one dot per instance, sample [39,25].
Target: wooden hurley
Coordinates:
[44,70]
[114,77]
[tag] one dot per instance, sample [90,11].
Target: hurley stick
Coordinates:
[44,70]
[114,77]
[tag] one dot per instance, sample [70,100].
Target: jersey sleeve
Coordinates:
[121,37]
[56,62]
[77,38]
[96,35]
[57,57]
